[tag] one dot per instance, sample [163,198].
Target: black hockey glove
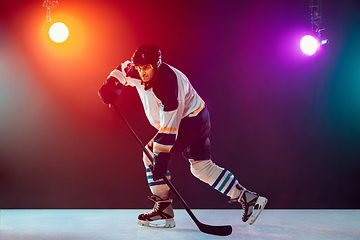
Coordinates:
[110,91]
[160,167]
[130,70]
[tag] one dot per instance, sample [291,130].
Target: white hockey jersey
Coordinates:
[170,99]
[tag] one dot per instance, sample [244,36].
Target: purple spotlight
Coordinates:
[309,45]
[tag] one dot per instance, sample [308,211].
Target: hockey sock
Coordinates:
[217,177]
[159,187]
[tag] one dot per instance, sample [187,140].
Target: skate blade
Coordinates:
[259,206]
[162,223]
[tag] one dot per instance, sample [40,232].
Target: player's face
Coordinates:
[146,72]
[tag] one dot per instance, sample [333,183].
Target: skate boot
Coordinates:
[161,216]
[252,204]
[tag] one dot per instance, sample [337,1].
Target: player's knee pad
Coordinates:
[204,170]
[217,177]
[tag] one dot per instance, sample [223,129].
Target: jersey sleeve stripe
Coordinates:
[162,149]
[197,110]
[168,129]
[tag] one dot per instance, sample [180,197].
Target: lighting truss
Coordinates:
[316,19]
[50,4]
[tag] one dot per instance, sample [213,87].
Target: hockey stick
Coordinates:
[214,230]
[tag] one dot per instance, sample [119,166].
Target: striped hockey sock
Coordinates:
[159,187]
[218,178]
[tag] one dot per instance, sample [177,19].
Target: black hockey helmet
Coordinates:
[147,54]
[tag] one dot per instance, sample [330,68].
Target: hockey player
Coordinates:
[179,114]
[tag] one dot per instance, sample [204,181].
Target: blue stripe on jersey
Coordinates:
[219,178]
[165,139]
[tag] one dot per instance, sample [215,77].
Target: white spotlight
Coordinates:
[58,32]
[309,45]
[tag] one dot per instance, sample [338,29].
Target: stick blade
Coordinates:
[224,230]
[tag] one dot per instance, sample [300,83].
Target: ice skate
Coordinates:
[252,204]
[161,216]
